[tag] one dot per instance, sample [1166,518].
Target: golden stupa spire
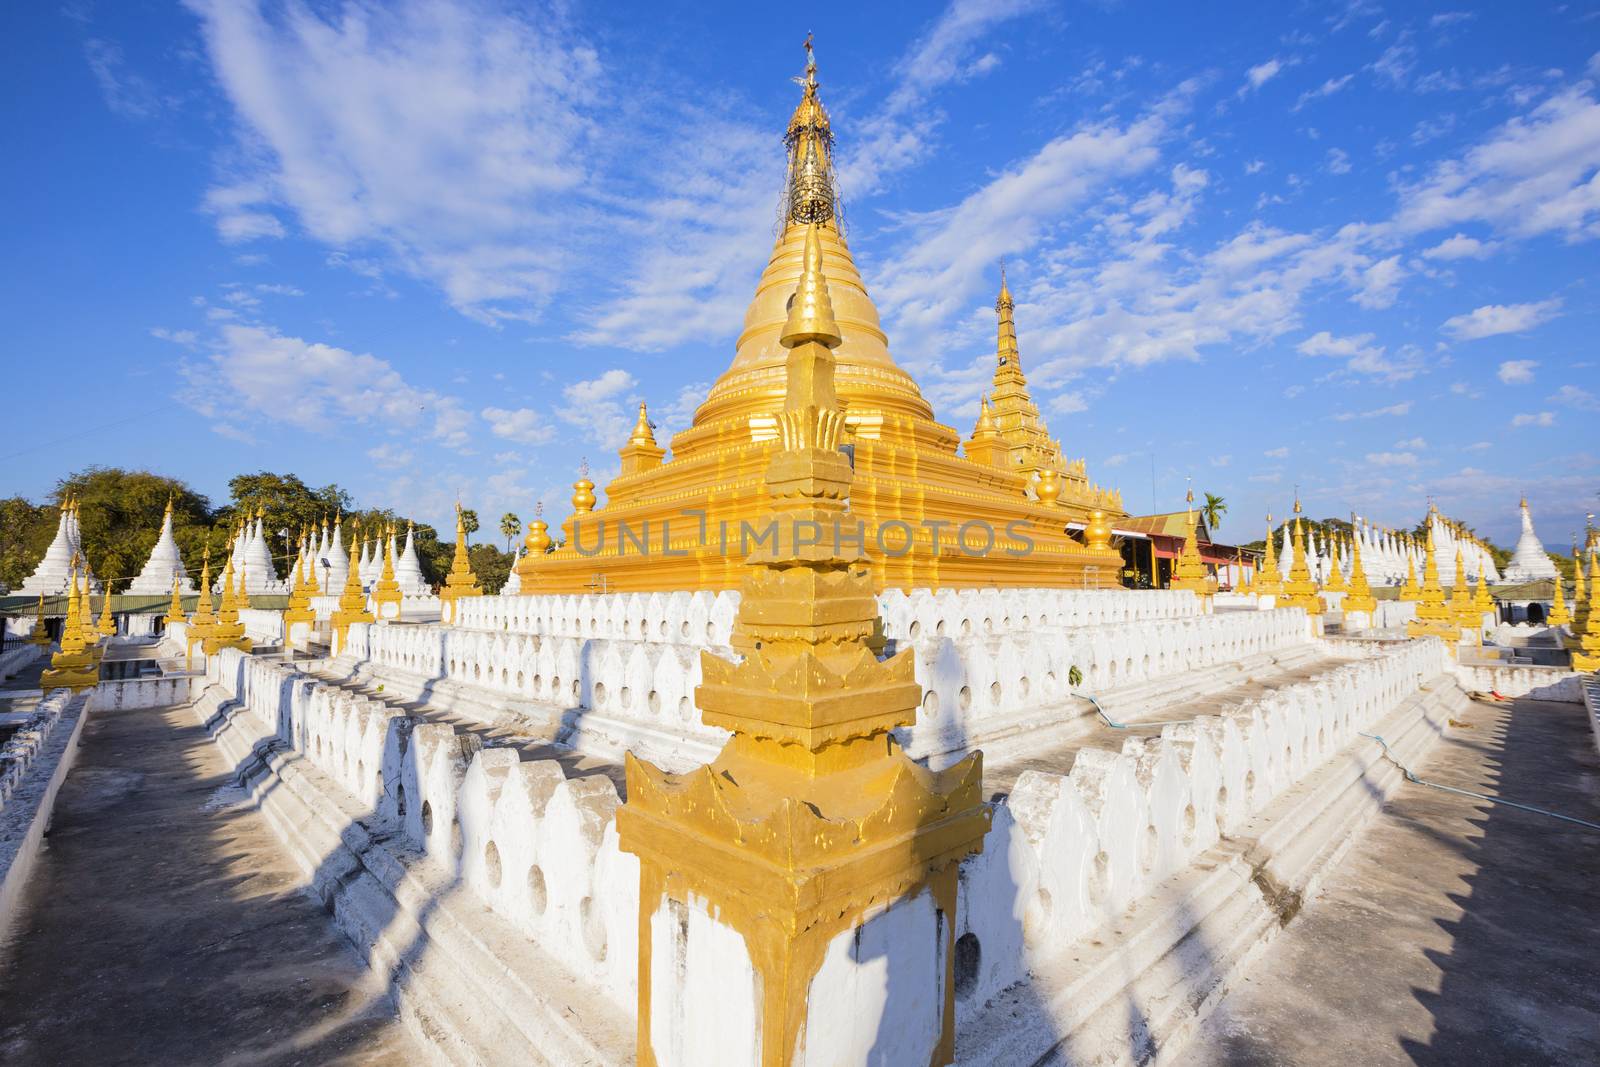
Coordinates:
[1268,582]
[1359,597]
[1300,591]
[41,633]
[353,598]
[73,666]
[811,311]
[1433,614]
[810,196]
[1585,640]
[461,582]
[1558,606]
[811,815]
[227,631]
[1190,571]
[108,624]
[175,608]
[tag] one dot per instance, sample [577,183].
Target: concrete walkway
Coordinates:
[165,924]
[1455,932]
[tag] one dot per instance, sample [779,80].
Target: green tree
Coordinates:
[469,522]
[120,514]
[25,532]
[491,565]
[510,527]
[1213,510]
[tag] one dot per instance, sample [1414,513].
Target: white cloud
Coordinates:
[1068,403]
[1362,355]
[443,134]
[1392,459]
[390,456]
[1261,73]
[1281,452]
[1402,408]
[1534,175]
[1338,161]
[1574,396]
[594,406]
[187,338]
[1517,371]
[521,424]
[1255,166]
[1492,320]
[1461,247]
[259,373]
[608,385]
[1327,88]
[1543,418]
[1450,18]
[1414,444]
[126,93]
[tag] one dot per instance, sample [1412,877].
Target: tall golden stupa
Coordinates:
[997,516]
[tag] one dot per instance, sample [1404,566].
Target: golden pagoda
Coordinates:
[175,608]
[387,590]
[1585,639]
[812,818]
[1358,597]
[1558,606]
[41,632]
[242,598]
[1300,591]
[353,599]
[1268,581]
[1335,582]
[1462,609]
[461,582]
[927,516]
[201,623]
[74,666]
[227,631]
[300,594]
[108,624]
[1409,590]
[1433,615]
[1190,572]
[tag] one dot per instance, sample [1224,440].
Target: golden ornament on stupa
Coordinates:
[1433,614]
[1585,639]
[387,591]
[175,607]
[811,818]
[1300,591]
[73,666]
[928,516]
[1268,581]
[1358,597]
[1190,572]
[353,598]
[41,633]
[460,582]
[227,631]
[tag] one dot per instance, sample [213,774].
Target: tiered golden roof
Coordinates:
[911,489]
[227,631]
[74,666]
[1190,572]
[1359,595]
[1300,591]
[353,599]
[1585,640]
[1268,581]
[460,582]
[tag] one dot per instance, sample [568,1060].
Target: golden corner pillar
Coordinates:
[929,515]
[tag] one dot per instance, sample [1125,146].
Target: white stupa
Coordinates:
[513,585]
[54,571]
[1530,562]
[408,568]
[164,565]
[260,576]
[333,576]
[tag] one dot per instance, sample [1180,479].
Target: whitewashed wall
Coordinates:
[17,657]
[535,846]
[1067,853]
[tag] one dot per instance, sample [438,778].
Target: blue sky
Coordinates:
[429,248]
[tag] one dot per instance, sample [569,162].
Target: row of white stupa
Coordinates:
[250,554]
[1387,559]
[325,551]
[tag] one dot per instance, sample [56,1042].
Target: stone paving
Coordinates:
[165,923]
[1455,932]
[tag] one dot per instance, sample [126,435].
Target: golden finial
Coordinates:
[583,498]
[985,417]
[642,434]
[809,192]
[811,308]
[1003,303]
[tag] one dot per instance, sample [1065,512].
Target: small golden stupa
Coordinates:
[929,517]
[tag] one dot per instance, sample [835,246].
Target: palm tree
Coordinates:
[1213,510]
[510,526]
[469,523]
